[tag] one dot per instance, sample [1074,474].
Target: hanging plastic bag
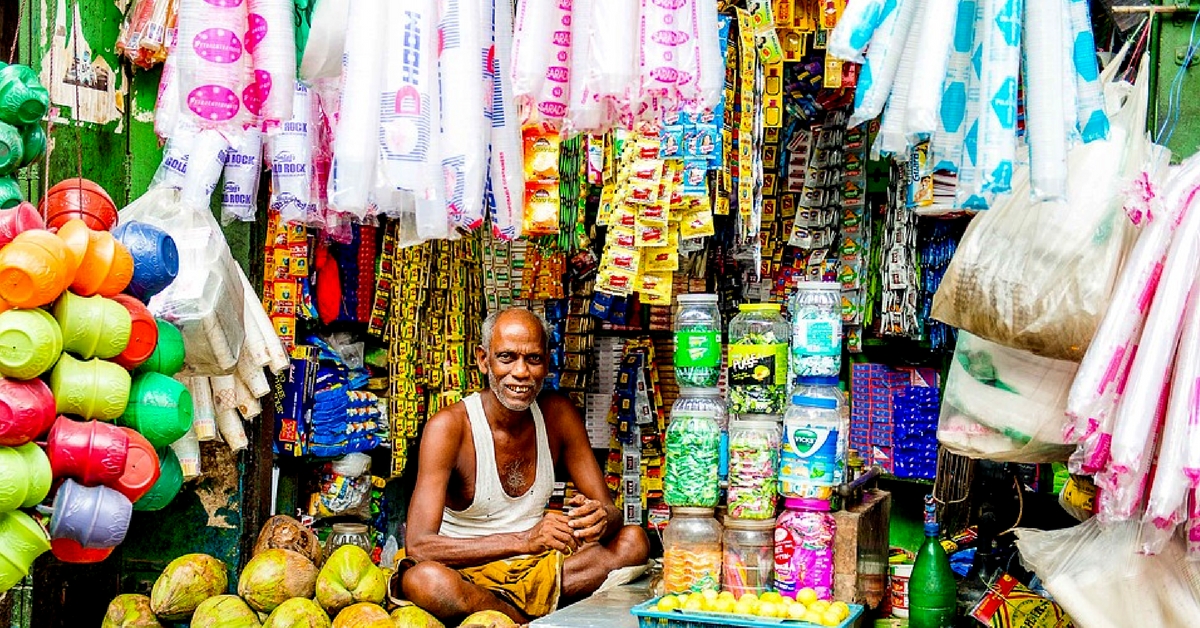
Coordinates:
[166,106]
[271,41]
[243,169]
[856,26]
[144,33]
[997,138]
[356,132]
[326,41]
[892,139]
[1096,573]
[205,163]
[1089,102]
[289,153]
[1004,404]
[463,142]
[505,187]
[1047,135]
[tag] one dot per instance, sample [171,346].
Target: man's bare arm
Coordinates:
[585,473]
[439,449]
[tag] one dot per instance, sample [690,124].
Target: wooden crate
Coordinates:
[860,550]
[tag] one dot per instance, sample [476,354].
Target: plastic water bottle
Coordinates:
[932,589]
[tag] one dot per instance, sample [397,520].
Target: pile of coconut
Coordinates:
[281,587]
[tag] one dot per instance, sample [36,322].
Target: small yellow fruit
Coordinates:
[694,597]
[748,597]
[771,596]
[727,595]
[819,606]
[743,607]
[767,609]
[709,594]
[782,610]
[796,611]
[842,608]
[723,605]
[667,603]
[831,617]
[812,617]
[806,596]
[692,606]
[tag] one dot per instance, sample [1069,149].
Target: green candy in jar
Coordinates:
[758,360]
[698,341]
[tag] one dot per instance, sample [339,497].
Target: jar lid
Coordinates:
[700,392]
[768,422]
[802,503]
[749,524]
[758,418]
[760,307]
[691,511]
[349,528]
[814,402]
[697,298]
[810,380]
[819,285]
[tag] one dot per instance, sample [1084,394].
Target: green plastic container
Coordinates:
[30,343]
[159,408]
[91,389]
[10,193]
[167,486]
[33,140]
[12,149]
[168,353]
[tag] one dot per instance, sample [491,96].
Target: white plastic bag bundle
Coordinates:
[856,26]
[326,43]
[271,40]
[1047,137]
[243,169]
[892,138]
[356,133]
[935,33]
[1004,404]
[1169,492]
[997,140]
[506,180]
[205,163]
[878,74]
[289,153]
[1089,95]
[463,139]
[166,107]
[210,61]
[947,146]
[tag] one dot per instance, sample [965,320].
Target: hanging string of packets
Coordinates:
[635,459]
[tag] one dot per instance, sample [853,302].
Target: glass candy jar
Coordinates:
[758,360]
[693,448]
[691,550]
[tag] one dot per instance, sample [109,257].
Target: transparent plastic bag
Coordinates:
[1004,404]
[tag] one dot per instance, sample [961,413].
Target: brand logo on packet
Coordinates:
[670,38]
[218,45]
[670,4]
[225,4]
[665,74]
[804,440]
[213,102]
[256,31]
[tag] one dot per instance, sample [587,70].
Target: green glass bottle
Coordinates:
[932,590]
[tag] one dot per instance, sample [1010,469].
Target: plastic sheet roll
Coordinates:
[856,26]
[612,71]
[1089,103]
[205,163]
[289,151]
[892,137]
[1165,508]
[997,141]
[463,140]
[878,74]
[1047,137]
[967,192]
[947,145]
[210,51]
[506,183]
[243,169]
[187,450]
[356,137]
[935,35]
[271,40]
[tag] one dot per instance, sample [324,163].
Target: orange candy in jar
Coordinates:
[692,550]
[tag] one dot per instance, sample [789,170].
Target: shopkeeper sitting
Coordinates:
[478,535]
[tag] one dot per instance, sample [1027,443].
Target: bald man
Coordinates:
[478,534]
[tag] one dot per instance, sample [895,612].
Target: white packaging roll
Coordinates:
[247,404]
[892,139]
[612,71]
[711,85]
[967,191]
[187,450]
[997,141]
[531,54]
[204,414]
[667,50]
[947,145]
[232,430]
[326,41]
[856,26]
[356,134]
[1089,103]
[166,107]
[172,171]
[289,152]
[277,358]
[1046,135]
[506,180]
[933,46]
[243,170]
[587,112]
[1067,85]
[210,60]
[878,74]
[205,164]
[463,140]
[271,40]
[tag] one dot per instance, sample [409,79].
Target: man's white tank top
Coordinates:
[493,511]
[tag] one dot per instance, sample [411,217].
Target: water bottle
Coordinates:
[932,589]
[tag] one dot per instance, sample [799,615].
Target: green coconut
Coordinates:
[224,611]
[363,615]
[412,616]
[298,612]
[488,619]
[185,583]
[130,611]
[349,576]
[276,576]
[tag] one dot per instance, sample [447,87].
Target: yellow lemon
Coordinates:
[831,618]
[796,611]
[812,617]
[782,609]
[667,603]
[819,606]
[723,605]
[743,607]
[748,597]
[694,597]
[761,372]
[692,606]
[727,595]
[806,596]
[771,596]
[842,608]
[709,594]
[767,609]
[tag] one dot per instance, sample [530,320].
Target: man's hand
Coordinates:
[589,520]
[553,532]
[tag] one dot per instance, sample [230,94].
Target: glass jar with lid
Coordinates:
[753,466]
[348,534]
[758,360]
[816,310]
[749,551]
[698,341]
[811,458]
[693,448]
[692,550]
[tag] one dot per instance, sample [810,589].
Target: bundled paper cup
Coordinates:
[210,51]
[856,27]
[936,32]
[997,140]
[947,144]
[505,184]
[1089,104]
[356,138]
[1047,137]
[270,39]
[289,148]
[463,140]
[877,76]
[243,169]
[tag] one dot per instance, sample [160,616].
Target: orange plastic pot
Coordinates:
[35,268]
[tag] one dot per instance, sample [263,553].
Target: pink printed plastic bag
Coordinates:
[542,59]
[271,40]
[211,61]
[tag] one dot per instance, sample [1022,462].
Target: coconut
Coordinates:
[363,615]
[185,583]
[349,576]
[284,532]
[412,616]
[488,619]
[130,611]
[224,611]
[298,612]
[275,576]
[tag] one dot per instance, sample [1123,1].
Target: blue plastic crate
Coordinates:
[648,617]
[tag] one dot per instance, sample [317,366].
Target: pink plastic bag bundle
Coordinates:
[212,61]
[542,58]
[505,183]
[270,39]
[669,62]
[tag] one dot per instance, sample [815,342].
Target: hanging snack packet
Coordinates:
[541,208]
[1010,604]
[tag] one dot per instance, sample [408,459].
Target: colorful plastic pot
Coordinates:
[79,198]
[159,408]
[70,551]
[168,353]
[92,327]
[155,258]
[35,268]
[33,138]
[14,479]
[106,267]
[91,389]
[141,467]
[23,99]
[19,219]
[40,475]
[12,149]
[26,410]
[22,540]
[92,452]
[167,487]
[93,516]
[30,343]
[143,335]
